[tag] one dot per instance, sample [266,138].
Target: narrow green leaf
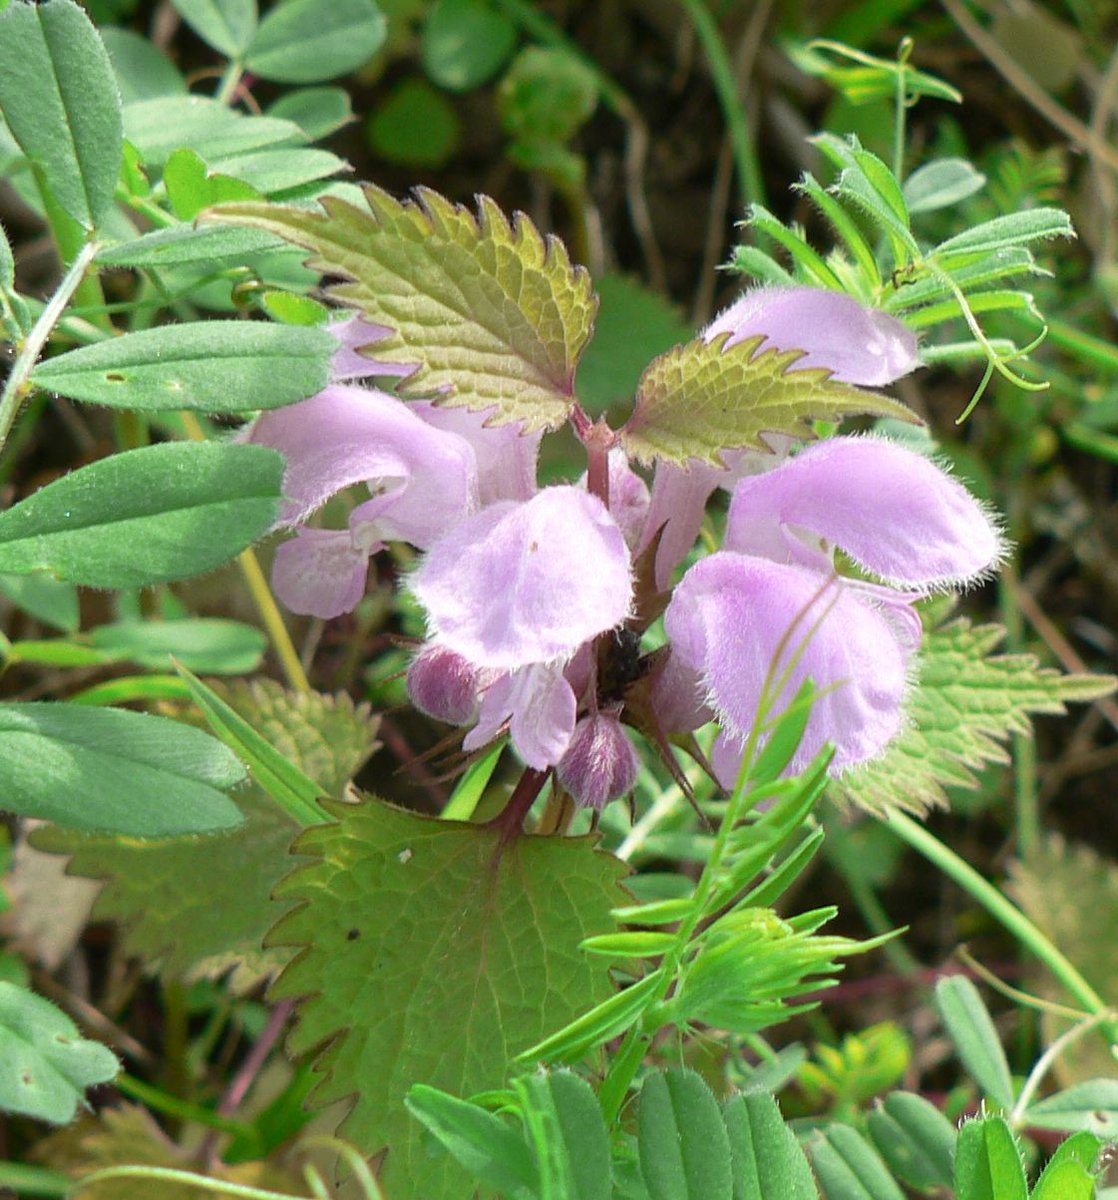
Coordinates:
[142,71]
[7,264]
[215,366]
[61,102]
[183,244]
[748,260]
[565,1124]
[846,227]
[637,943]
[810,263]
[697,400]
[305,41]
[318,111]
[110,769]
[494,1153]
[1015,229]
[45,1063]
[656,912]
[915,1139]
[492,310]
[607,1020]
[1091,1106]
[767,1161]
[212,645]
[448,991]
[849,1168]
[988,1162]
[975,1037]
[278,776]
[228,25]
[158,127]
[145,516]
[466,42]
[684,1146]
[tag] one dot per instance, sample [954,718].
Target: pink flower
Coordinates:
[518,588]
[899,518]
[857,344]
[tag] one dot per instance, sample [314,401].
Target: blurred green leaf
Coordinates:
[318,111]
[158,127]
[940,183]
[465,42]
[142,71]
[415,125]
[60,99]
[227,25]
[916,1140]
[47,599]
[546,95]
[1091,1107]
[849,1168]
[211,645]
[975,1037]
[145,516]
[109,769]
[45,1063]
[215,366]
[306,41]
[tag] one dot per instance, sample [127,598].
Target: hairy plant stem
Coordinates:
[17,387]
[995,903]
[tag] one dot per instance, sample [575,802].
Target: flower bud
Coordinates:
[444,685]
[600,764]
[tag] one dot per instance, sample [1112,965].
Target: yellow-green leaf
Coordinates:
[495,315]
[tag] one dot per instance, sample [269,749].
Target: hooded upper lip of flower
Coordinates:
[898,517]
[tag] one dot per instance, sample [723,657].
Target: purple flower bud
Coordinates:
[600,764]
[444,685]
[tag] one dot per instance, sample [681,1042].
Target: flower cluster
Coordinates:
[537,598]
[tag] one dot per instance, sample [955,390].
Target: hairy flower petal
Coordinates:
[858,344]
[539,705]
[895,512]
[356,335]
[321,572]
[506,457]
[526,583]
[727,619]
[601,762]
[347,435]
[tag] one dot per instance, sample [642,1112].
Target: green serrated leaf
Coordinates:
[849,1168]
[684,1146]
[633,325]
[215,366]
[491,310]
[61,103]
[109,769]
[988,1162]
[45,1064]
[1055,886]
[962,709]
[975,1037]
[698,400]
[767,1160]
[145,516]
[448,991]
[228,25]
[486,1146]
[329,737]
[306,41]
[190,907]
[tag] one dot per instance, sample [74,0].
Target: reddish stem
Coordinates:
[510,820]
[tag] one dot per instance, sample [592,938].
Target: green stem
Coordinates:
[174,1106]
[750,182]
[34,1181]
[1001,909]
[219,1187]
[18,386]
[230,81]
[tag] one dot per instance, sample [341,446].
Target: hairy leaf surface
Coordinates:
[192,907]
[45,1064]
[962,709]
[432,955]
[697,400]
[495,314]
